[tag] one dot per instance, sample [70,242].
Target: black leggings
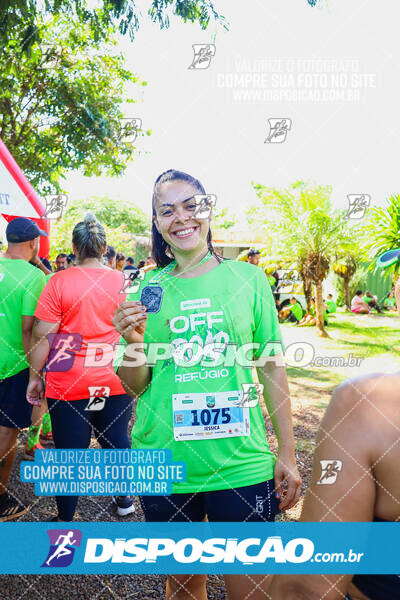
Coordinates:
[72,428]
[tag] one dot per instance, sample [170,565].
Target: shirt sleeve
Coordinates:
[267,331]
[32,294]
[49,307]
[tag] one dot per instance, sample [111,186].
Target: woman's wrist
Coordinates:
[36,375]
[134,355]
[287,450]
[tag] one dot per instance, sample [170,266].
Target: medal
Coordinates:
[151,297]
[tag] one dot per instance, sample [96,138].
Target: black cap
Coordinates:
[22,229]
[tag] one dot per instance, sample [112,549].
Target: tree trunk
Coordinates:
[346,292]
[307,287]
[319,311]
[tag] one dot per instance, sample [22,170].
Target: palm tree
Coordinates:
[345,268]
[307,283]
[309,230]
[383,227]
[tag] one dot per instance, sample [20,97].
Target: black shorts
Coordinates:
[292,318]
[244,504]
[15,411]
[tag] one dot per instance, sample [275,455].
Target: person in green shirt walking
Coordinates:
[20,287]
[190,331]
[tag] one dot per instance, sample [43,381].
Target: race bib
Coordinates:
[210,416]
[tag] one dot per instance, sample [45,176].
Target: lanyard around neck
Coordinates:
[162,275]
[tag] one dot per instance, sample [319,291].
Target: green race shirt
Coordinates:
[20,287]
[231,304]
[331,304]
[389,302]
[367,299]
[297,311]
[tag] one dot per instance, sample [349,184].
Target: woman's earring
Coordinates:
[169,252]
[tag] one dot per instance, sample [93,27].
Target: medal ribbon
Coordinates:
[161,276]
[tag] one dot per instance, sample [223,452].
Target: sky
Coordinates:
[327,74]
[333,69]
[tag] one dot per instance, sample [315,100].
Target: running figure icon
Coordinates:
[62,350]
[62,550]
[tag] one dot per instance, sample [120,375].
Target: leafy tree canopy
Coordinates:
[122,14]
[303,219]
[224,219]
[60,105]
[382,229]
[121,220]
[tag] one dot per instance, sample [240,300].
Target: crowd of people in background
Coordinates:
[291,310]
[365,302]
[115,260]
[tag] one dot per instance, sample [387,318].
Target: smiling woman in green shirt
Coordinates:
[214,316]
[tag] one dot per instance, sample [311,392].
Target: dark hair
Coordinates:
[120,256]
[130,260]
[110,253]
[358,292]
[46,263]
[71,258]
[159,245]
[141,264]
[62,255]
[89,237]
[252,252]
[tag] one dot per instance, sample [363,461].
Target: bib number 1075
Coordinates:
[214,416]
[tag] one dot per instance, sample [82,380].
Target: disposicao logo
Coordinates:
[192,550]
[62,547]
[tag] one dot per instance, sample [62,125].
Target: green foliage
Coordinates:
[121,221]
[309,231]
[383,227]
[223,219]
[67,116]
[122,14]
[110,212]
[301,218]
[357,281]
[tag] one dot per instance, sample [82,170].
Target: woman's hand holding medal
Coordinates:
[130,320]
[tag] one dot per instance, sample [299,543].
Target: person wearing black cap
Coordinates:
[20,287]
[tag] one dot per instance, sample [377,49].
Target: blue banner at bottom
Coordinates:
[211,548]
